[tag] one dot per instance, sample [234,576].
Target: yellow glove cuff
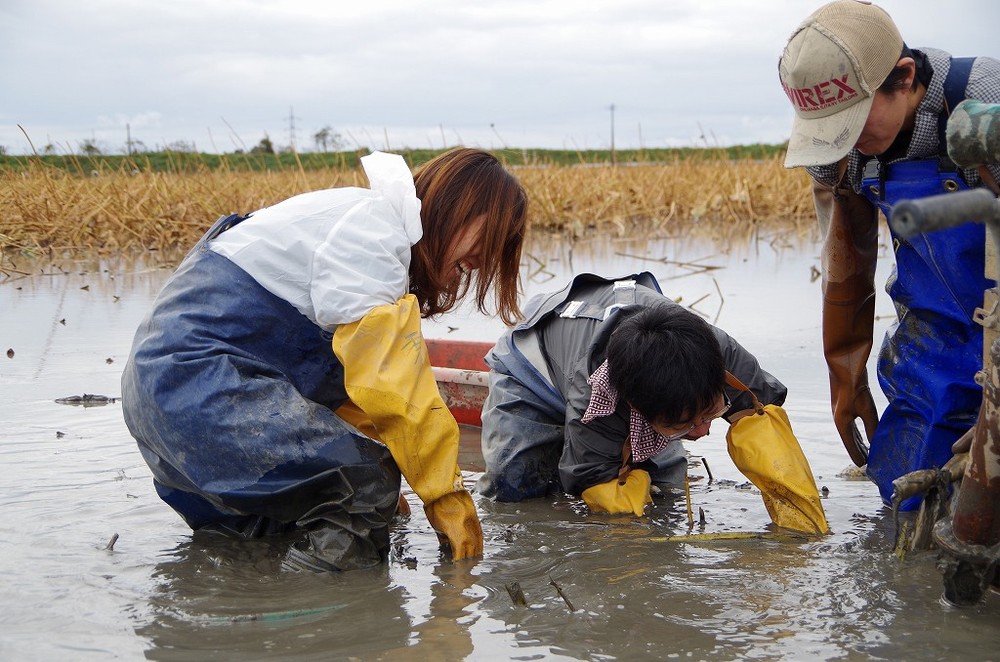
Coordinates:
[619,496]
[766,451]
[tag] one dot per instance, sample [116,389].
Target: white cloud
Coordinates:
[520,73]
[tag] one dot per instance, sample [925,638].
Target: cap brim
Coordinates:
[826,140]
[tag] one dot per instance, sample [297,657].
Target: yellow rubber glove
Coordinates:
[388,376]
[454,518]
[766,451]
[621,495]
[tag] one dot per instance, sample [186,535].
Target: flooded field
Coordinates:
[94,566]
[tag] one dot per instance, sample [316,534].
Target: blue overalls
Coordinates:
[230,393]
[930,356]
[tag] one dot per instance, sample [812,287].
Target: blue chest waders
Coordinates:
[930,356]
[230,393]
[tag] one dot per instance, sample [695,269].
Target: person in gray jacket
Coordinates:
[592,393]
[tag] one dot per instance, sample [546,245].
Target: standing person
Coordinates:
[870,115]
[280,384]
[593,392]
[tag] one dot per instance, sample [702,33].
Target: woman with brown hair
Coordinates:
[280,385]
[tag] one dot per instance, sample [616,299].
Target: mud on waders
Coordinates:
[929,357]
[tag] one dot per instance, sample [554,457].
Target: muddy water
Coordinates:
[595,587]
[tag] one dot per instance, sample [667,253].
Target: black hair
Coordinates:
[896,77]
[666,362]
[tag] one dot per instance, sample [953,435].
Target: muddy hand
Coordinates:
[454,518]
[855,444]
[844,417]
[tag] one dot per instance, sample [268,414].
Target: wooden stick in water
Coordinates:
[561,594]
[687,497]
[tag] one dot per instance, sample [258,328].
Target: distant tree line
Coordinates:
[326,140]
[183,157]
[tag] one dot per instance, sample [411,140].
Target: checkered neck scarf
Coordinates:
[645,441]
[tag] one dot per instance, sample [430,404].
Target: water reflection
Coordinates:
[217,596]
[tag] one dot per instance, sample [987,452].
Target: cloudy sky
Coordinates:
[387,74]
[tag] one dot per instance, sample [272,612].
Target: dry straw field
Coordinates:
[47,209]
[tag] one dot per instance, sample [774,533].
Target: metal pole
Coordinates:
[613,134]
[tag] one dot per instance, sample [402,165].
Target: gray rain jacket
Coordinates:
[533,439]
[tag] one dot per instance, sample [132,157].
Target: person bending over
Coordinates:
[594,391]
[280,384]
[870,118]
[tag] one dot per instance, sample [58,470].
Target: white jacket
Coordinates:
[337,253]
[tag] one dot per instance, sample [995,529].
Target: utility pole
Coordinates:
[493,127]
[291,127]
[613,134]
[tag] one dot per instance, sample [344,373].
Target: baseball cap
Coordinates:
[831,68]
